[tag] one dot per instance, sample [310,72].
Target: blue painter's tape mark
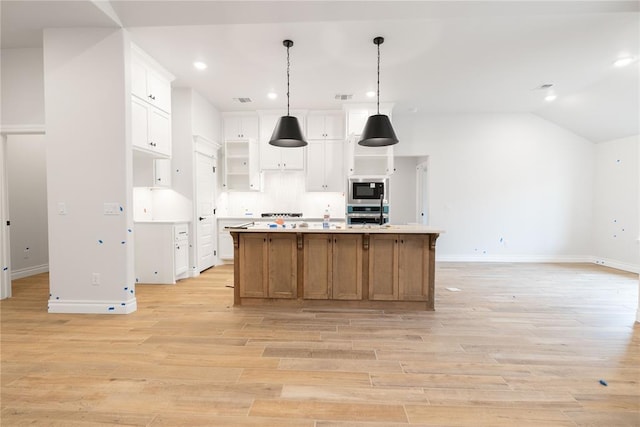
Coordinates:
[618,161]
[131,291]
[50,295]
[604,383]
[100,241]
[501,240]
[137,280]
[111,308]
[129,230]
[5,268]
[484,252]
[122,304]
[57,297]
[121,209]
[122,242]
[615,220]
[126,288]
[155,272]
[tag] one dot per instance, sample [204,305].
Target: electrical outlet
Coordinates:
[95,279]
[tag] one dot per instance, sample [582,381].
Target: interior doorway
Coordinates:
[422,192]
[23,207]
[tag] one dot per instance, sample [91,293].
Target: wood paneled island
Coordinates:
[375,267]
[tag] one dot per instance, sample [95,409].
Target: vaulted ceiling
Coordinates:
[438,56]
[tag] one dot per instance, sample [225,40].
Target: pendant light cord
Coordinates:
[288,64]
[378,79]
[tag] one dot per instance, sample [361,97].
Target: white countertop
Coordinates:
[294,227]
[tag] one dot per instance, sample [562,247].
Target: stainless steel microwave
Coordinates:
[368,190]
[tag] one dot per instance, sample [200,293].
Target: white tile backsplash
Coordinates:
[282,192]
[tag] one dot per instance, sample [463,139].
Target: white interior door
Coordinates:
[205,219]
[5,259]
[422,187]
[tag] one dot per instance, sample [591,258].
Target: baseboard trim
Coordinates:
[29,271]
[624,266]
[92,307]
[513,258]
[631,268]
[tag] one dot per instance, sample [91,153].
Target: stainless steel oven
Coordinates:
[368,191]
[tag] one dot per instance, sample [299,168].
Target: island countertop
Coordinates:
[295,227]
[389,266]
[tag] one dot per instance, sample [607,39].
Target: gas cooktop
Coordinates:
[281,215]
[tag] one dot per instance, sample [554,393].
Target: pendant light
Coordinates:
[378,131]
[287,132]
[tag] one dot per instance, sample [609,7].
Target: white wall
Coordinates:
[402,191]
[504,186]
[616,201]
[27,178]
[89,163]
[22,87]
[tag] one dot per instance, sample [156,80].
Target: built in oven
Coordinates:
[368,191]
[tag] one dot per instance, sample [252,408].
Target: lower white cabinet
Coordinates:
[161,252]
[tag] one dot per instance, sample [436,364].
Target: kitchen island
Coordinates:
[360,267]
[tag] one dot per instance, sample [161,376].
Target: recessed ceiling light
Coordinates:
[371,94]
[200,65]
[272,95]
[550,97]
[623,62]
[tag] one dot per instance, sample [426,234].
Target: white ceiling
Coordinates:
[438,56]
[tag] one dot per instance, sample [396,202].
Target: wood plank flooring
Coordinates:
[518,345]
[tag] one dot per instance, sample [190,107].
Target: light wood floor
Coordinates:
[518,345]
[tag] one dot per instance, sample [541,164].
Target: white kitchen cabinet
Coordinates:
[150,128]
[241,127]
[225,241]
[149,82]
[150,105]
[161,252]
[151,172]
[241,170]
[279,158]
[357,117]
[368,160]
[325,125]
[325,166]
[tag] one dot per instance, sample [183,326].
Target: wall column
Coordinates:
[89,170]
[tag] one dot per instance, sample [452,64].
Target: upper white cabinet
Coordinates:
[241,127]
[325,165]
[325,152]
[241,170]
[150,105]
[278,158]
[149,83]
[150,128]
[368,160]
[357,116]
[329,125]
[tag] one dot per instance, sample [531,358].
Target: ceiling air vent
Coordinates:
[344,97]
[242,100]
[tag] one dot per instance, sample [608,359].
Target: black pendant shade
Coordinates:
[378,131]
[287,133]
